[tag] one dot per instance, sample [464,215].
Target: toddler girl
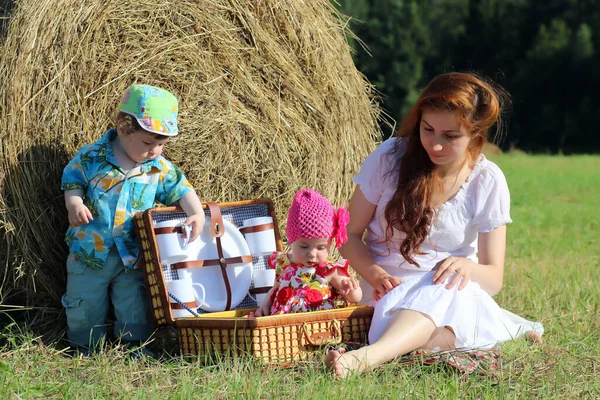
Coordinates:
[306,278]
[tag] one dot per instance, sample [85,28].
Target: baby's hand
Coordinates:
[262,311]
[264,308]
[348,285]
[79,214]
[350,289]
[196,221]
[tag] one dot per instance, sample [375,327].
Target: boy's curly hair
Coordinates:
[127,123]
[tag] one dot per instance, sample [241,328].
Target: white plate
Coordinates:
[211,278]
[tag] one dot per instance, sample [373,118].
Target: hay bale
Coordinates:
[270,102]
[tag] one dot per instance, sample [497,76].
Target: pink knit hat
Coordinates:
[312,216]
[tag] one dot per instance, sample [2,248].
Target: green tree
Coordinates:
[544,53]
[397,43]
[558,104]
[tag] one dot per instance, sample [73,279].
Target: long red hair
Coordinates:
[478,105]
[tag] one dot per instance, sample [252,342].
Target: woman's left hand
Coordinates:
[459,266]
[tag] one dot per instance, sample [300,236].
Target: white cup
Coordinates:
[183,290]
[188,274]
[171,242]
[260,235]
[263,278]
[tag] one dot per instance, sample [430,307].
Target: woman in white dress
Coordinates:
[435,212]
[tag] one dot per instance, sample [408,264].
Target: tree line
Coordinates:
[544,53]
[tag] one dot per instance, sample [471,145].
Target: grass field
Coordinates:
[552,276]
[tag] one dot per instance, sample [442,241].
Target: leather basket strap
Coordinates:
[223,264]
[216,221]
[260,290]
[257,228]
[217,230]
[167,230]
[208,263]
[190,304]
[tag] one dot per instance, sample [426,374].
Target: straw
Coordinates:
[270,102]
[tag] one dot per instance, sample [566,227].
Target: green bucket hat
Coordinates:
[154,108]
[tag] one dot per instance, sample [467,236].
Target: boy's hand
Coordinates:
[79,214]
[190,203]
[196,221]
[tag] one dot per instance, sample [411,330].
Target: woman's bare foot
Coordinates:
[344,364]
[331,358]
[534,338]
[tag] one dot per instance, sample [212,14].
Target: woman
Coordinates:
[435,211]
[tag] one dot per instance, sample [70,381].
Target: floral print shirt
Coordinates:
[303,287]
[113,197]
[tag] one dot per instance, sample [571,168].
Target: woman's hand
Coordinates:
[383,284]
[459,266]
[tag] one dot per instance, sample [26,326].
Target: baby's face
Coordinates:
[310,251]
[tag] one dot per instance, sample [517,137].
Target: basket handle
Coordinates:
[333,335]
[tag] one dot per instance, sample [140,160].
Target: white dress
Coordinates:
[481,205]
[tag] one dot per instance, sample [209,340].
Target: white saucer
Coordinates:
[211,277]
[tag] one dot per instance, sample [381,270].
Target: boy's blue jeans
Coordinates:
[86,301]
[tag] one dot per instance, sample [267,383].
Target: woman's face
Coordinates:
[443,138]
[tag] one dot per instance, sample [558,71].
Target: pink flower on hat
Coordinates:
[312,216]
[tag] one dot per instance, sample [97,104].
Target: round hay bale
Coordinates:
[270,102]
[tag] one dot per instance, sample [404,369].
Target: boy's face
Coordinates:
[310,251]
[142,146]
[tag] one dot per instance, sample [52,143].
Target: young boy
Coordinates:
[105,184]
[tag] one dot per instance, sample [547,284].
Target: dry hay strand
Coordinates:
[270,102]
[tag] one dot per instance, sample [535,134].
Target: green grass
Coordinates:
[552,273]
[553,267]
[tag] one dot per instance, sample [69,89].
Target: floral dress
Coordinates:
[304,287]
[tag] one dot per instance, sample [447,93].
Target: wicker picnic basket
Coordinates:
[277,338]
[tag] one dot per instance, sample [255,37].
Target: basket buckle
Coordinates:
[333,335]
